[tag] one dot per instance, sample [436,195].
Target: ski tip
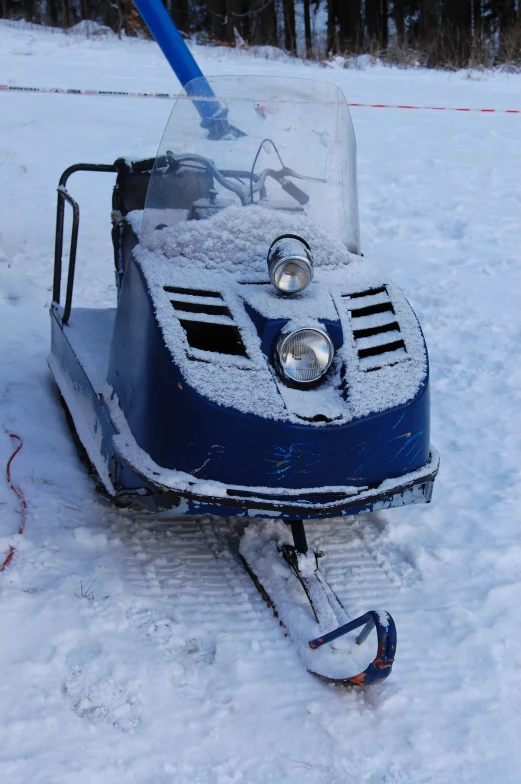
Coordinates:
[381,666]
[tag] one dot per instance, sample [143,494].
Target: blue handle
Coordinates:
[161,25]
[178,54]
[170,41]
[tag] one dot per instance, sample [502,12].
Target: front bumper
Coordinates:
[185,494]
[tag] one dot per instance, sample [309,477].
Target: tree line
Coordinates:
[434,33]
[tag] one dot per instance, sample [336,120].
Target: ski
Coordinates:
[288,576]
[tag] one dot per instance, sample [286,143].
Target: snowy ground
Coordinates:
[155,678]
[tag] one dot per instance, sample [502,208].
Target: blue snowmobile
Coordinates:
[254,363]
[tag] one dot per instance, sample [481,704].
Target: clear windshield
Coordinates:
[282,144]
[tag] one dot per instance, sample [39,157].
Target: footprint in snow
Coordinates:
[94,694]
[169,636]
[454,229]
[12,298]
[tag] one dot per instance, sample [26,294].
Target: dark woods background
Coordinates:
[434,33]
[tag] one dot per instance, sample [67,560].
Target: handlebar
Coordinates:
[294,191]
[235,187]
[257,182]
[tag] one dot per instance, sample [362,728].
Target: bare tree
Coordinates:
[290,33]
[350,26]
[307,30]
[398,14]
[331,40]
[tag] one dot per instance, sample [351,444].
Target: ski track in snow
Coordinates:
[172,669]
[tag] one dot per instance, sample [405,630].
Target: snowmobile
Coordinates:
[254,364]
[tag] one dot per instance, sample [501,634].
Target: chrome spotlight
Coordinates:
[290,264]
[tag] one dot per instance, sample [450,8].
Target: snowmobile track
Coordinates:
[191,597]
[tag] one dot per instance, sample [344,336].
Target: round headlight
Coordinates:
[305,355]
[290,264]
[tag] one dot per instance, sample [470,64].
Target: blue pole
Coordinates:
[178,55]
[170,40]
[171,43]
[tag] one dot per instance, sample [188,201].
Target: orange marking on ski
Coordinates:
[358,680]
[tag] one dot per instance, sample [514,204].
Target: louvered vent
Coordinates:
[376,331]
[206,320]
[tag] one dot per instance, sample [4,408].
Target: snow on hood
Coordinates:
[237,239]
[227,253]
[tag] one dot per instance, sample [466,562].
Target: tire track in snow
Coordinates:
[196,604]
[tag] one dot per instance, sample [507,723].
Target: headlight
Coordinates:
[290,264]
[305,355]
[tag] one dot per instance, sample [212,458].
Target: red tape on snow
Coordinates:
[21,498]
[71,91]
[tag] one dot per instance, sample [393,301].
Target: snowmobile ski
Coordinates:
[327,609]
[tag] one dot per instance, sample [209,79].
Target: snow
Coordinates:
[174,669]
[219,242]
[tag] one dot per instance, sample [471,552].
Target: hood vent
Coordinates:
[376,331]
[193,292]
[207,321]
[199,307]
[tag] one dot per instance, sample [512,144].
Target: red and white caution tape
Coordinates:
[21,499]
[435,108]
[72,91]
[173,96]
